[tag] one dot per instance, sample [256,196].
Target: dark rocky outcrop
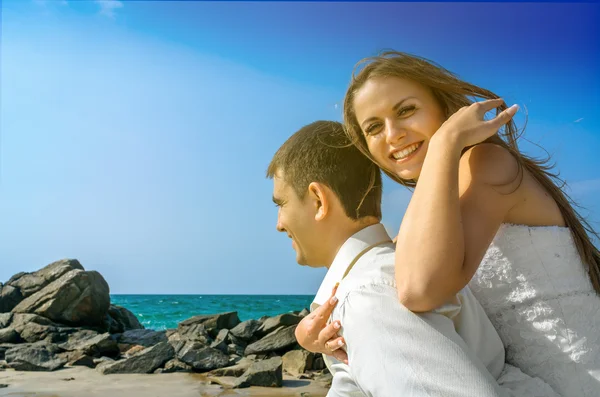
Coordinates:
[78,298]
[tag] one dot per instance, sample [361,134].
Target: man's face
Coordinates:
[296,217]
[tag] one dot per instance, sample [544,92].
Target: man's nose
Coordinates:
[279,226]
[393,132]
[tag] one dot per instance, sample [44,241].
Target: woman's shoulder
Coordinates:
[489,164]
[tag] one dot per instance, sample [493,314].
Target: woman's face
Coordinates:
[398,117]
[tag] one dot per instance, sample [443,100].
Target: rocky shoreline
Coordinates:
[61,317]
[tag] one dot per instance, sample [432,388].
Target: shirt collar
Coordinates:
[351,248]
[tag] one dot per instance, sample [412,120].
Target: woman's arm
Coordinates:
[455,211]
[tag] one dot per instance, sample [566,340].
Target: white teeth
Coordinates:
[405,152]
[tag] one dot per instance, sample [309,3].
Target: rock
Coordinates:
[273,323]
[202,358]
[34,357]
[176,366]
[91,343]
[324,378]
[30,283]
[246,329]
[318,362]
[144,362]
[229,382]
[9,335]
[77,358]
[3,385]
[304,313]
[5,319]
[296,362]
[214,322]
[192,332]
[77,298]
[267,373]
[170,331]
[4,347]
[9,298]
[134,350]
[119,320]
[277,340]
[34,328]
[235,349]
[236,370]
[220,342]
[103,360]
[143,337]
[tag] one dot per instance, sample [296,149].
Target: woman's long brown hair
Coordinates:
[453,93]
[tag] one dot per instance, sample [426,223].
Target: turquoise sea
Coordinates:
[165,311]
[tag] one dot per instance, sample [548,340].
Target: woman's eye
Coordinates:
[372,129]
[405,110]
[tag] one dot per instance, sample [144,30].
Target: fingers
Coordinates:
[334,344]
[324,311]
[504,117]
[341,355]
[330,331]
[487,105]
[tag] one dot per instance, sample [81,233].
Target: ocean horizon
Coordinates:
[164,311]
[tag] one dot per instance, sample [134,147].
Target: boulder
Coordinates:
[267,373]
[235,370]
[34,328]
[278,340]
[9,335]
[202,358]
[77,298]
[5,319]
[273,323]
[34,357]
[192,332]
[92,344]
[246,329]
[119,320]
[296,362]
[143,337]
[175,365]
[213,322]
[30,283]
[145,362]
[220,342]
[9,298]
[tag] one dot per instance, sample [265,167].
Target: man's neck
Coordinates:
[345,233]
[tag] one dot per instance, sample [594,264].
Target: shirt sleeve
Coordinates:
[395,352]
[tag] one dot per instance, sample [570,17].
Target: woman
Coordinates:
[482,214]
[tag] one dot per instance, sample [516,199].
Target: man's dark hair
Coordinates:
[322,152]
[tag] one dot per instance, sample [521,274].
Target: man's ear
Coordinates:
[318,195]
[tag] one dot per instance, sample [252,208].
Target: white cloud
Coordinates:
[108,7]
[578,120]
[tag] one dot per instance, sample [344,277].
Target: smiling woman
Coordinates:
[482,213]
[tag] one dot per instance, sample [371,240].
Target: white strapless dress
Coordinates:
[536,291]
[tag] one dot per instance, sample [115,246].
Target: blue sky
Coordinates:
[135,135]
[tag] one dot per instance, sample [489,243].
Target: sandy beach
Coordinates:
[85,382]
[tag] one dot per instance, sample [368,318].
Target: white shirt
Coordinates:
[453,351]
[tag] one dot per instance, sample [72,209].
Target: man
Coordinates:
[329,199]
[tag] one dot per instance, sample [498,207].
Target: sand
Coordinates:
[86,382]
